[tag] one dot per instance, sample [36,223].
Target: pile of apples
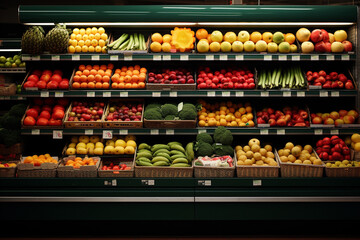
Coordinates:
[125,112]
[238,78]
[332,80]
[332,149]
[171,76]
[337,118]
[290,117]
[46,79]
[46,113]
[120,167]
[86,111]
[324,41]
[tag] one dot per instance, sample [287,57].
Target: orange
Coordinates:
[248,109]
[115,78]
[155,47]
[76,85]
[86,72]
[79,73]
[106,79]
[134,85]
[201,123]
[107,73]
[98,85]
[98,78]
[137,67]
[93,72]
[82,67]
[103,67]
[141,85]
[105,85]
[142,78]
[101,72]
[123,74]
[83,85]
[121,85]
[110,66]
[83,78]
[156,37]
[201,34]
[96,67]
[209,38]
[114,85]
[143,70]
[89,67]
[129,73]
[91,85]
[136,72]
[131,68]
[128,85]
[124,69]
[76,78]
[118,71]
[91,78]
[135,78]
[167,38]
[127,79]
[223,122]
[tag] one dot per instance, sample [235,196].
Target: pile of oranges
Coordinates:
[93,76]
[78,162]
[129,77]
[226,114]
[38,160]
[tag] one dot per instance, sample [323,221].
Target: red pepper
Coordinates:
[6,165]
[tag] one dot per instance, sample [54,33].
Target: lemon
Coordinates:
[71,49]
[91,36]
[101,30]
[98,49]
[91,49]
[104,36]
[73,36]
[81,43]
[88,43]
[104,50]
[97,36]
[155,47]
[78,37]
[131,143]
[101,43]
[129,150]
[74,43]
[84,48]
[76,31]
[77,49]
[85,37]
[94,30]
[88,31]
[94,42]
[121,143]
[82,31]
[166,47]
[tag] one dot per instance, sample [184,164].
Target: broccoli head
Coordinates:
[187,114]
[10,121]
[9,137]
[152,114]
[189,105]
[170,117]
[169,109]
[204,149]
[222,150]
[18,110]
[205,137]
[153,105]
[223,135]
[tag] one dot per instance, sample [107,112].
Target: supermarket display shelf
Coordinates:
[12,70]
[198,93]
[14,97]
[191,57]
[8,43]
[192,131]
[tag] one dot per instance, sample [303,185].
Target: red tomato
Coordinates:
[32,113]
[52,85]
[45,78]
[46,108]
[33,78]
[56,78]
[45,114]
[58,107]
[42,122]
[58,122]
[59,114]
[29,84]
[58,72]
[116,167]
[64,84]
[29,121]
[52,122]
[41,84]
[47,72]
[37,72]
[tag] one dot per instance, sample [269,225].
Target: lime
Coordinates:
[2,65]
[18,62]
[16,57]
[2,59]
[9,59]
[8,64]
[22,65]
[14,65]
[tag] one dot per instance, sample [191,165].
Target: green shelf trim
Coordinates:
[185,13]
[20,98]
[10,43]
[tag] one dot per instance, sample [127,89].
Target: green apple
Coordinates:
[216,36]
[249,46]
[278,37]
[261,46]
[237,46]
[225,46]
[272,47]
[243,36]
[230,37]
[284,47]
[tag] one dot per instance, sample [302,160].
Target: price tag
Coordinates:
[225,94]
[345,57]
[44,94]
[57,134]
[282,58]
[35,131]
[21,98]
[170,132]
[184,57]
[75,57]
[201,131]
[95,57]
[90,94]
[209,57]
[211,94]
[89,131]
[324,94]
[287,94]
[318,132]
[114,58]
[334,132]
[114,182]
[106,94]
[264,132]
[148,182]
[35,58]
[157,57]
[300,94]
[123,132]
[239,57]
[330,57]
[257,183]
[59,94]
[280,132]
[335,94]
[128,58]
[173,94]
[295,58]
[267,58]
[264,94]
[166,57]
[154,132]
[180,106]
[156,94]
[314,57]
[26,58]
[107,134]
[124,94]
[223,57]
[206,183]
[55,58]
[239,94]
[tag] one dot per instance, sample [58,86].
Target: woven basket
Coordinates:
[213,172]
[164,172]
[8,172]
[118,173]
[246,171]
[45,170]
[82,172]
[355,156]
[14,149]
[342,172]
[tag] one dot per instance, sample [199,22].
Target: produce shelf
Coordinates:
[12,70]
[191,57]
[15,97]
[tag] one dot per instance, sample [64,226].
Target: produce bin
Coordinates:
[82,172]
[45,170]
[341,171]
[82,124]
[118,173]
[214,172]
[42,127]
[169,123]
[8,172]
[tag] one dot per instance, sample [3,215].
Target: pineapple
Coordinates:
[57,39]
[32,41]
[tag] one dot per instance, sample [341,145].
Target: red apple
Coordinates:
[334,115]
[317,120]
[347,46]
[353,113]
[320,47]
[316,35]
[349,119]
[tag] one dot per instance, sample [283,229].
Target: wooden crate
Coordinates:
[82,124]
[170,123]
[9,89]
[72,81]
[129,52]
[164,172]
[42,127]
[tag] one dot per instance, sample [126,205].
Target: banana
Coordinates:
[161,150]
[180,160]
[159,146]
[180,165]
[173,157]
[144,159]
[144,146]
[142,163]
[144,154]
[144,150]
[162,154]
[174,143]
[190,151]
[176,152]
[160,158]
[161,163]
[177,147]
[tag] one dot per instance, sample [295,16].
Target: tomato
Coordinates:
[29,84]
[63,101]
[58,107]
[104,168]
[59,72]
[33,78]
[56,78]
[29,121]
[45,114]
[64,84]
[116,167]
[37,72]
[58,114]
[45,78]
[46,108]
[47,72]
[32,113]
[42,122]
[52,85]
[52,122]
[41,84]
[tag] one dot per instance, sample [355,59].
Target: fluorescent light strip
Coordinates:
[11,50]
[118,24]
[275,23]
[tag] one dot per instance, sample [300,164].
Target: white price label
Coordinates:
[345,57]
[123,132]
[314,57]
[166,57]
[287,94]
[114,58]
[35,131]
[324,94]
[156,94]
[209,57]
[128,58]
[264,132]
[26,58]
[280,132]
[59,94]
[184,57]
[173,94]
[239,57]
[170,132]
[57,134]
[154,132]
[55,58]
[295,58]
[211,94]
[330,57]
[75,57]
[334,132]
[264,94]
[225,94]
[335,94]
[148,182]
[223,57]
[257,182]
[44,94]
[107,134]
[318,132]
[201,131]
[90,94]
[89,132]
[157,57]
[21,98]
[282,58]
[300,94]
[267,58]
[106,94]
[35,58]
[239,94]
[95,57]
[124,94]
